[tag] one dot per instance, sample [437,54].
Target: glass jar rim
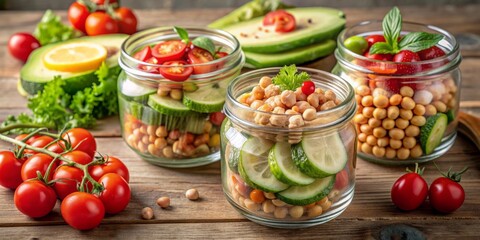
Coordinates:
[348,105]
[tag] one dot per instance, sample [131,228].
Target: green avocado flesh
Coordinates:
[313,25]
[34,75]
[294,56]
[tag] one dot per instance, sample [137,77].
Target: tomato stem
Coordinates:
[454,176]
[22,125]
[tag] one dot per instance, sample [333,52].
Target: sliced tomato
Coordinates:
[283,21]
[143,54]
[198,56]
[220,55]
[169,50]
[151,69]
[176,71]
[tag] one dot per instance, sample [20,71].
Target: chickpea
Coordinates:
[330,95]
[379,132]
[176,94]
[143,129]
[163,91]
[271,90]
[313,99]
[163,202]
[295,121]
[151,129]
[151,149]
[416,151]
[358,99]
[360,119]
[367,101]
[372,122]
[390,153]
[256,104]
[395,144]
[299,95]
[406,114]
[278,202]
[192,194]
[380,101]
[278,120]
[388,123]
[403,153]
[412,131]
[407,103]
[452,103]
[315,211]
[371,140]
[175,134]
[268,207]
[167,152]
[296,109]
[265,81]
[296,211]
[395,99]
[440,106]
[401,123]
[366,148]
[328,105]
[378,151]
[393,112]
[419,110]
[383,141]
[409,142]
[406,91]
[147,213]
[380,91]
[269,195]
[309,114]
[418,121]
[302,106]
[131,140]
[396,133]
[322,201]
[278,102]
[379,113]
[288,98]
[251,205]
[207,127]
[326,205]
[321,100]
[362,137]
[291,112]
[319,91]
[446,97]
[280,212]
[243,98]
[368,112]
[365,128]
[363,90]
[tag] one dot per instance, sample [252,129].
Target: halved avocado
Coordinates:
[34,75]
[294,56]
[313,25]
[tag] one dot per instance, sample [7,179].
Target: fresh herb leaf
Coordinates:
[392,26]
[51,29]
[182,33]
[417,41]
[381,48]
[205,43]
[289,79]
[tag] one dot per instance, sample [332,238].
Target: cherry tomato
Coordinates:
[151,69]
[98,23]
[176,71]
[102,2]
[10,168]
[78,157]
[431,53]
[112,165]
[372,39]
[34,198]
[56,148]
[67,179]
[77,15]
[169,50]
[37,162]
[82,140]
[341,180]
[406,56]
[380,57]
[283,21]
[409,191]
[200,56]
[39,142]
[127,21]
[82,210]
[116,195]
[29,141]
[20,45]
[308,87]
[220,54]
[143,54]
[217,118]
[446,195]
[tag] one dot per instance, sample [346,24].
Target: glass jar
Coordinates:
[400,104]
[156,122]
[256,154]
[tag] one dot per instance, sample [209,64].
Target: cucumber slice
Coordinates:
[320,157]
[168,106]
[450,115]
[283,167]
[431,133]
[304,195]
[134,91]
[205,99]
[253,166]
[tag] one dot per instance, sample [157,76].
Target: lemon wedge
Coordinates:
[75,57]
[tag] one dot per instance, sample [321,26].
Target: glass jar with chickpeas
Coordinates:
[407,106]
[288,146]
[170,109]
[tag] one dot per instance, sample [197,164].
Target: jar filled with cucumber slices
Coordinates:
[407,86]
[288,146]
[172,91]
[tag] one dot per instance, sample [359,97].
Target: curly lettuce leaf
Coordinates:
[51,29]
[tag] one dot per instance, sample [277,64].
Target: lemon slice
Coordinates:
[75,57]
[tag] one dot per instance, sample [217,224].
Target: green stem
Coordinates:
[21,125]
[36,149]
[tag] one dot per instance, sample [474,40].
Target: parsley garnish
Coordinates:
[288,78]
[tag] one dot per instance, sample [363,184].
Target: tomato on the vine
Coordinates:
[176,70]
[67,180]
[78,157]
[127,21]
[283,21]
[217,118]
[446,193]
[82,140]
[116,195]
[34,198]
[169,50]
[410,190]
[98,23]
[39,142]
[200,56]
[112,165]
[38,162]
[20,45]
[82,210]
[10,168]
[77,15]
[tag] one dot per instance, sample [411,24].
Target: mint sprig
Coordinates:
[201,42]
[414,41]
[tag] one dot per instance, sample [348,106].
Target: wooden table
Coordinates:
[212,217]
